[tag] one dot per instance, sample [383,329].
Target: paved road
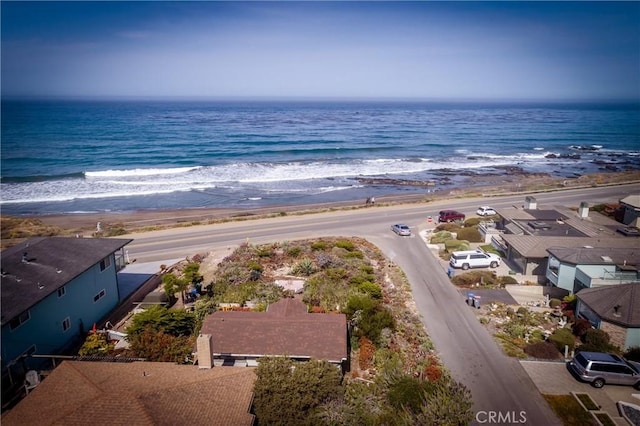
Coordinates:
[498,384]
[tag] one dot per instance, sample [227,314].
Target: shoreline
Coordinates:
[113,224]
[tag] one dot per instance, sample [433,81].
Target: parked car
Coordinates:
[474,259]
[450,216]
[486,211]
[599,368]
[401,229]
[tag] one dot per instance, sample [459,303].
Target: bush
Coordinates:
[554,303]
[562,337]
[633,353]
[345,244]
[596,340]
[406,393]
[473,221]
[507,279]
[542,350]
[449,227]
[580,327]
[470,234]
[456,245]
[440,237]
[294,251]
[472,278]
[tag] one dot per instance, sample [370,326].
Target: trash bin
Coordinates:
[470,298]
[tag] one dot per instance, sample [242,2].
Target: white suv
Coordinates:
[474,259]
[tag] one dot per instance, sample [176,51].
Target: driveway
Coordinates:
[553,378]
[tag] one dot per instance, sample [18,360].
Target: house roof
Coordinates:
[285,329]
[534,246]
[138,393]
[629,257]
[604,300]
[632,200]
[52,263]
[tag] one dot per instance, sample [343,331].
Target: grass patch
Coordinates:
[587,401]
[569,410]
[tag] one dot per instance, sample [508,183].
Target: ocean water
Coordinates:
[116,156]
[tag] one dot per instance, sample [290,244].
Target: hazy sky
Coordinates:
[451,50]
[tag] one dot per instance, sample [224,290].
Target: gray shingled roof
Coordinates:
[603,300]
[533,246]
[285,329]
[597,255]
[52,263]
[138,394]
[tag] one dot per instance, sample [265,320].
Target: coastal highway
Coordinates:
[499,384]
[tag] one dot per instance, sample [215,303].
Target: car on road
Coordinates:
[450,216]
[599,368]
[401,229]
[486,211]
[474,259]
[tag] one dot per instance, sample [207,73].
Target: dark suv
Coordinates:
[599,368]
[450,216]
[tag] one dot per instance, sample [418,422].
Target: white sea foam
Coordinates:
[140,172]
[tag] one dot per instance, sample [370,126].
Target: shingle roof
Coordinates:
[139,393]
[53,262]
[285,329]
[534,246]
[603,300]
[629,257]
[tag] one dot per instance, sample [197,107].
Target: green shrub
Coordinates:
[470,234]
[319,245]
[406,393]
[633,353]
[456,245]
[471,278]
[294,251]
[561,338]
[345,244]
[507,279]
[596,340]
[542,350]
[448,227]
[473,221]
[555,303]
[440,237]
[372,289]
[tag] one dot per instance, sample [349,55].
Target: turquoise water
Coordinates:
[79,156]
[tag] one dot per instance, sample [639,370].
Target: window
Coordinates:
[66,324]
[105,263]
[19,320]
[99,295]
[62,291]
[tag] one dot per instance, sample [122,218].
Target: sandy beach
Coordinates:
[112,224]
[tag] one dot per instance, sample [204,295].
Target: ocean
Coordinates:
[122,156]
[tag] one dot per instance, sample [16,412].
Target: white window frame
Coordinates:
[22,318]
[99,296]
[105,263]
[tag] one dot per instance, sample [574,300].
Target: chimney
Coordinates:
[205,356]
[583,211]
[530,203]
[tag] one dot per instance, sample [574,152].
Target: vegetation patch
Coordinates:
[569,410]
[586,401]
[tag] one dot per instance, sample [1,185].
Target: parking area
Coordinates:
[553,378]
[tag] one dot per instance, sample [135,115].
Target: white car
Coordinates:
[474,259]
[401,229]
[486,211]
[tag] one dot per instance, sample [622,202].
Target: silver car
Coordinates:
[401,229]
[599,368]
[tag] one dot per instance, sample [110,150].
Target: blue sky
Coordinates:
[420,50]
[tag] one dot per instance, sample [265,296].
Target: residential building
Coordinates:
[614,309]
[576,268]
[285,329]
[53,291]
[631,210]
[137,394]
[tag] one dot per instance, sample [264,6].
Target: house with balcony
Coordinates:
[577,268]
[53,289]
[241,338]
[613,309]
